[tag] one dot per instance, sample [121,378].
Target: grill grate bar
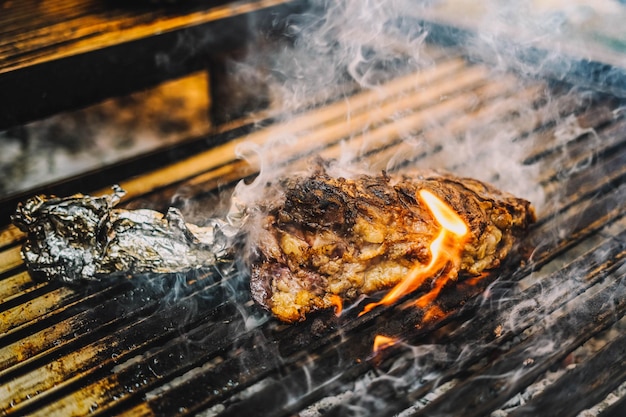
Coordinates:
[376,138]
[17,286]
[10,259]
[586,183]
[587,384]
[49,300]
[597,215]
[572,129]
[482,393]
[62,331]
[579,154]
[504,109]
[95,355]
[617,409]
[9,236]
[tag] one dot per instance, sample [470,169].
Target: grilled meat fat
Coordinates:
[327,237]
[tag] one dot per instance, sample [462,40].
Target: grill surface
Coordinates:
[178,345]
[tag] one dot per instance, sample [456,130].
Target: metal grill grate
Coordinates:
[175,345]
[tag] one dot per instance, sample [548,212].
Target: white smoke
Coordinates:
[337,48]
[342,42]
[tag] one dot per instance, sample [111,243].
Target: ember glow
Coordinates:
[383,342]
[445,258]
[338,303]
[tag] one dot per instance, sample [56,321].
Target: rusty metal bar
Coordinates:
[10,259]
[17,285]
[84,352]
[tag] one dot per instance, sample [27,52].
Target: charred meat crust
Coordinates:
[328,237]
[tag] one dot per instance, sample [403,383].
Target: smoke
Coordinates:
[330,51]
[335,49]
[344,42]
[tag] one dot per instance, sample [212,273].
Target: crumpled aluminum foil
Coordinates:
[85,237]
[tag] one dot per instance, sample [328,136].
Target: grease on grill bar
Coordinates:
[192,343]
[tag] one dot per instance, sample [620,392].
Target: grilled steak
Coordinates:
[327,237]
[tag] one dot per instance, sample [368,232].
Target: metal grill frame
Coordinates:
[92,337]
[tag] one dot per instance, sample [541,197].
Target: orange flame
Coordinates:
[338,303]
[383,342]
[433,313]
[445,249]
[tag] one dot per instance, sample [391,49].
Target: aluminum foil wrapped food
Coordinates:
[86,237]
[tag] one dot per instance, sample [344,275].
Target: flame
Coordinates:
[444,214]
[445,259]
[433,313]
[336,301]
[383,342]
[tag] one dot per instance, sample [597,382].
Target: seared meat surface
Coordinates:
[328,237]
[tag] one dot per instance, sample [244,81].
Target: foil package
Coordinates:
[86,237]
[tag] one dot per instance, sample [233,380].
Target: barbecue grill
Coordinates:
[543,336]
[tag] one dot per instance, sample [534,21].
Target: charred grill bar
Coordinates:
[180,345]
